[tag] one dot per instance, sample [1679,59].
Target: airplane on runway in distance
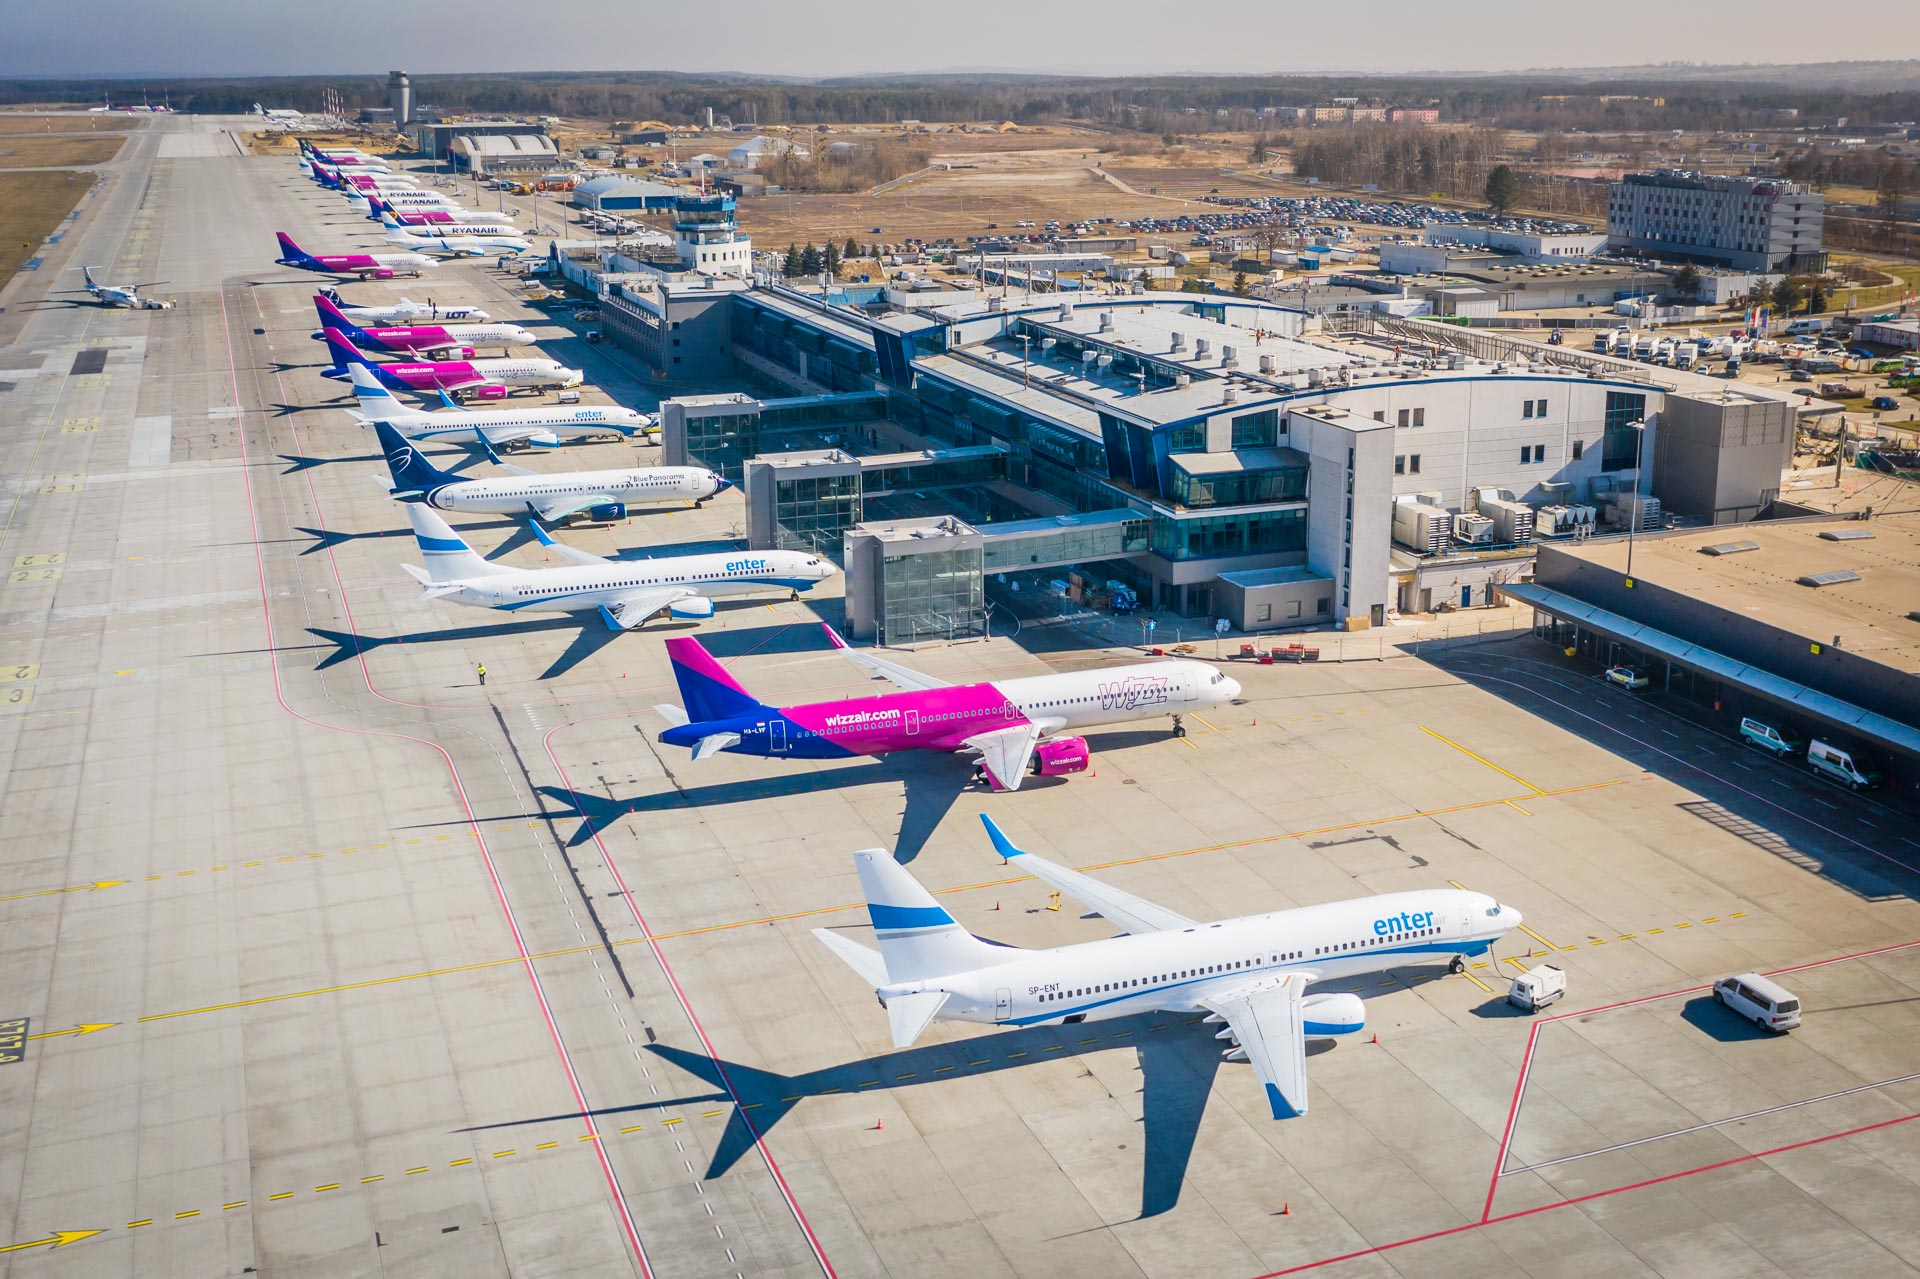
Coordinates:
[360,201]
[428,341]
[127,295]
[1249,975]
[625,592]
[368,266]
[433,216]
[552,497]
[406,311]
[1015,727]
[540,426]
[468,242]
[479,379]
[351,180]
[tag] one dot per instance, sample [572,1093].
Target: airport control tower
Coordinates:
[400,98]
[709,240]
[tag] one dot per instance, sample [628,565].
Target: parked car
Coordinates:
[1767,1004]
[1799,375]
[1627,677]
[1779,742]
[1841,764]
[1883,402]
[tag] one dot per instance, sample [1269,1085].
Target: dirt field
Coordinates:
[59,124]
[20,151]
[31,206]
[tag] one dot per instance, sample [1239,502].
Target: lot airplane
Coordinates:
[1013,725]
[427,340]
[406,311]
[603,495]
[127,295]
[377,266]
[626,592]
[471,242]
[378,209]
[541,426]
[1250,974]
[483,379]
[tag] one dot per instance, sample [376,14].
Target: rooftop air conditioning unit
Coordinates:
[1316,377]
[1066,311]
[1200,348]
[1228,358]
[995,304]
[1106,321]
[1230,395]
[1182,380]
[1047,344]
[1266,364]
[1179,344]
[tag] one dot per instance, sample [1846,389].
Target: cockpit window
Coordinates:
[1493,911]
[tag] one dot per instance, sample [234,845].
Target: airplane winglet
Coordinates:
[833,636]
[1001,844]
[541,534]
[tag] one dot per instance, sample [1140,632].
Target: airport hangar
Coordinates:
[1810,624]
[1239,459]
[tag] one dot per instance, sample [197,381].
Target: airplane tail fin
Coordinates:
[332,317]
[374,399]
[448,557]
[376,207]
[289,251]
[413,475]
[706,688]
[918,938]
[345,354]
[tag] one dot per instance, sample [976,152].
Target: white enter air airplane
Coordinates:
[1249,973]
[626,592]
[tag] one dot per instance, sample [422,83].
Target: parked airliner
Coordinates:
[485,379]
[603,495]
[406,311]
[430,340]
[471,242]
[541,426]
[626,592]
[1013,725]
[1249,974]
[436,215]
[377,266]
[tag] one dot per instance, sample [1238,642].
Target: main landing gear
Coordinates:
[1458,966]
[1179,729]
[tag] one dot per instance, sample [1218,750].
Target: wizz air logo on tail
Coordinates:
[1133,691]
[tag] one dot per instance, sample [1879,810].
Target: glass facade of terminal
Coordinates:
[836,362]
[1246,533]
[1620,442]
[932,595]
[1085,543]
[722,441]
[810,513]
[1238,488]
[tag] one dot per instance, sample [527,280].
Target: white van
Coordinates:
[1838,764]
[1767,1004]
[1769,738]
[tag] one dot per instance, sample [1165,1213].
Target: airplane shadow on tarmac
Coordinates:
[1177,1064]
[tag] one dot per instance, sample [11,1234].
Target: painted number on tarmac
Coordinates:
[40,561]
[16,695]
[64,484]
[87,427]
[29,576]
[90,379]
[20,671]
[13,1040]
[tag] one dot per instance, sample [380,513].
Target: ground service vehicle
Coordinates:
[1838,764]
[1767,1004]
[1627,677]
[1537,987]
[1776,741]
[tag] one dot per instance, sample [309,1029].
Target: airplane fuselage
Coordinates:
[461,374]
[522,495]
[942,719]
[1173,971]
[507,426]
[587,586]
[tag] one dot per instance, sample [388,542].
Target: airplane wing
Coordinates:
[577,555]
[1004,752]
[911,680]
[1134,914]
[561,507]
[1267,1020]
[447,389]
[636,607]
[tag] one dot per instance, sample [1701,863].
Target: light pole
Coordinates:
[1633,520]
[1026,359]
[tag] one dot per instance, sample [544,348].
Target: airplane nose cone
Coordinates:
[1230,689]
[1510,917]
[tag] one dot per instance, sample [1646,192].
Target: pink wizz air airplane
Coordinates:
[431,340]
[378,266]
[484,379]
[1015,726]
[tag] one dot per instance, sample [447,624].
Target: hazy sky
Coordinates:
[840,37]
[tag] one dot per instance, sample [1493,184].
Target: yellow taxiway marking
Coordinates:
[1482,758]
[58,1239]
[94,887]
[1476,981]
[84,1028]
[1516,808]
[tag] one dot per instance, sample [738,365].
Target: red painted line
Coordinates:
[1513,1116]
[686,1005]
[1588,1198]
[453,773]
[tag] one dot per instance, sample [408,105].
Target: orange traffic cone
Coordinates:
[1286,1209]
[879,1125]
[1375,1039]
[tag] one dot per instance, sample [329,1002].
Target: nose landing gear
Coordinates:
[1179,728]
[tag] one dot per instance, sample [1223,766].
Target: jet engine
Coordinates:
[450,353]
[700,606]
[1332,1014]
[607,512]
[378,273]
[492,391]
[1060,756]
